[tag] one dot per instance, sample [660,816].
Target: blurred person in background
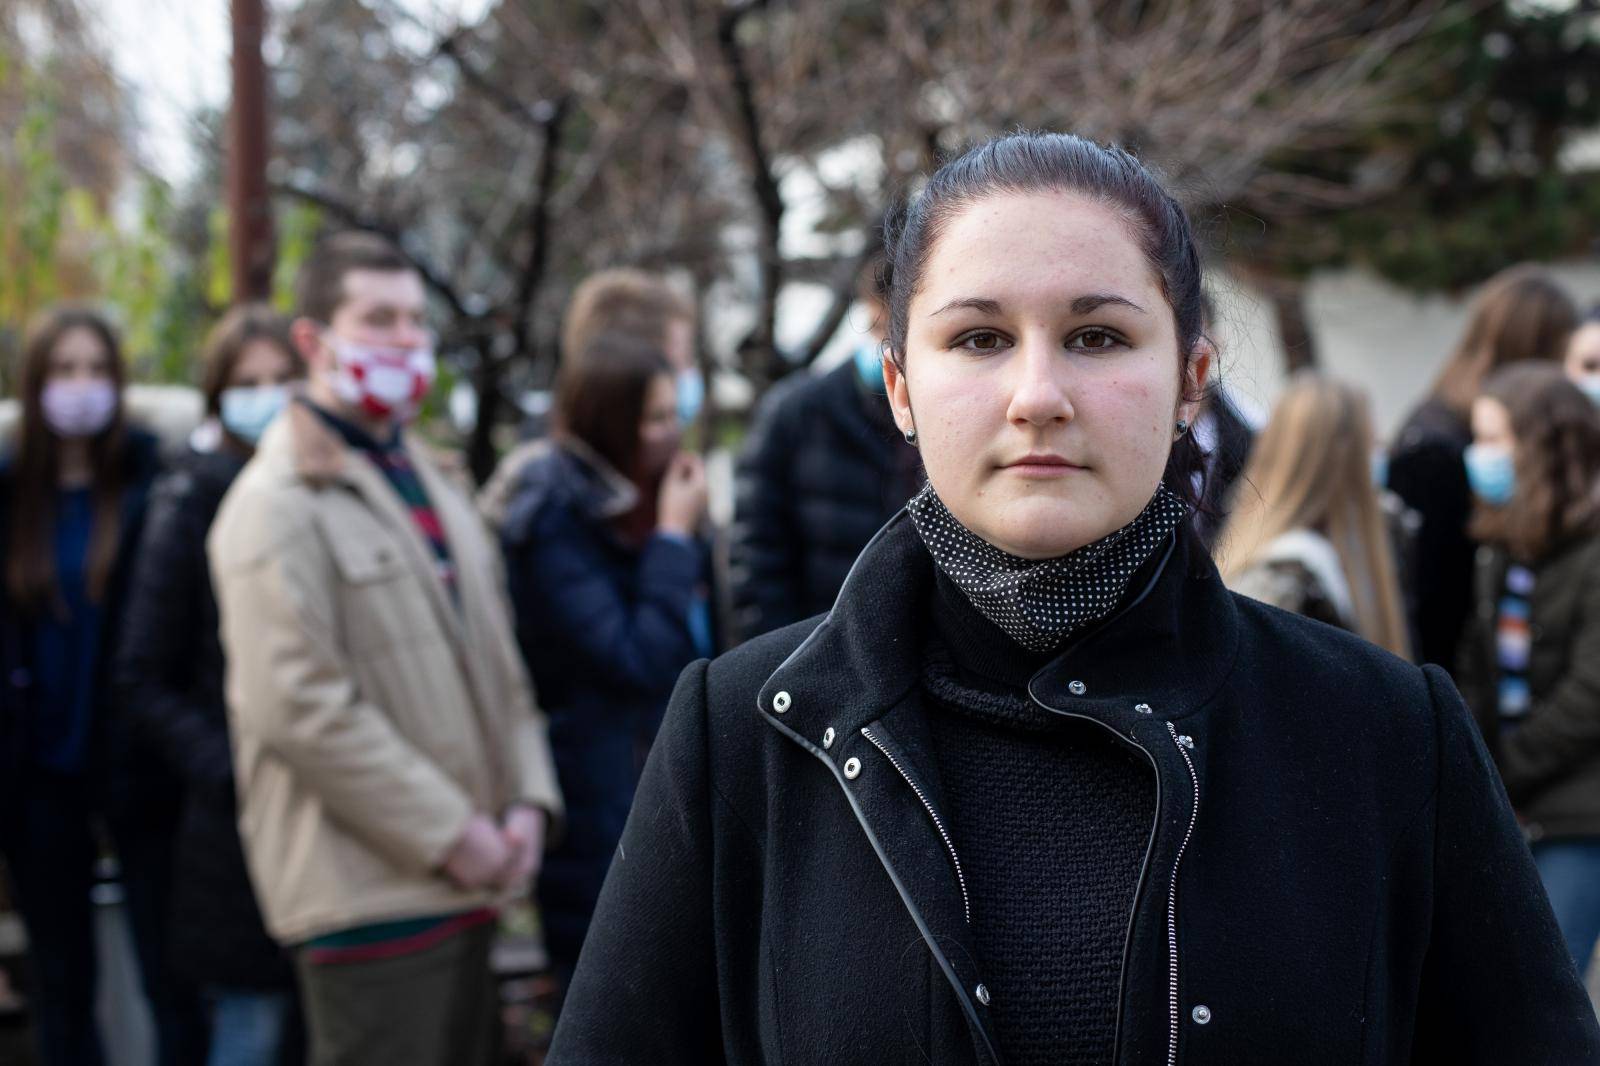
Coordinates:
[1308,532]
[394,778]
[823,468]
[170,668]
[617,301]
[1582,362]
[1530,659]
[1520,314]
[73,491]
[609,578]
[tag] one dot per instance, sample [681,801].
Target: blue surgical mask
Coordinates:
[691,396]
[869,366]
[1491,472]
[1590,384]
[1380,468]
[246,412]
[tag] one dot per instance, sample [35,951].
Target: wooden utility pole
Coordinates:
[250,242]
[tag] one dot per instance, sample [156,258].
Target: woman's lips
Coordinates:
[1042,466]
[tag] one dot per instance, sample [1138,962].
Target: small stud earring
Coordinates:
[1182,427]
[911,437]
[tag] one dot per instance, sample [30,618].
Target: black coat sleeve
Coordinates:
[157,644]
[1497,983]
[646,987]
[765,551]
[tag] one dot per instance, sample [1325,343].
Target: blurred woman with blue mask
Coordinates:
[170,669]
[1530,660]
[1582,362]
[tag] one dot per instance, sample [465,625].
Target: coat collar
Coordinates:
[1161,657]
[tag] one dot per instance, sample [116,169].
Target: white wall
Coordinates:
[1367,331]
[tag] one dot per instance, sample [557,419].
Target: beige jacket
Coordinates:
[371,716]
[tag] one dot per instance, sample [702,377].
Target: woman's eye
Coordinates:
[1095,340]
[982,341]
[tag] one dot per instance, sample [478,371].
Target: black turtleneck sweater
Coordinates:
[1050,816]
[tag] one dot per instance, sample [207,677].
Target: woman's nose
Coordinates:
[1039,392]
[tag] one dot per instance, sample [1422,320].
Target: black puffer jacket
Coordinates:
[169,669]
[1426,470]
[1333,875]
[823,469]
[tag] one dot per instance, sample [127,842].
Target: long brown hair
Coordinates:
[1557,432]
[1311,469]
[1521,315]
[30,554]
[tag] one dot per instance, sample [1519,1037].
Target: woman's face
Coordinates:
[1042,373]
[1491,425]
[1582,361]
[79,355]
[659,432]
[261,362]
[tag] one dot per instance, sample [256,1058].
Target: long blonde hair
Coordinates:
[1311,469]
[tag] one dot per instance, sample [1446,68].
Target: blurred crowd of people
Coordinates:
[331,712]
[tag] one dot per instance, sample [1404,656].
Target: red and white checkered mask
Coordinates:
[383,382]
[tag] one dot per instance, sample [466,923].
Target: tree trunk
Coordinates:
[1288,296]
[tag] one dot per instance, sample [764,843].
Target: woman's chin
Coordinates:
[1046,528]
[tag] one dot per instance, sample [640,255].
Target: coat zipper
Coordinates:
[966,905]
[1172,903]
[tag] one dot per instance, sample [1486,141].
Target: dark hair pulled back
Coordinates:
[1025,162]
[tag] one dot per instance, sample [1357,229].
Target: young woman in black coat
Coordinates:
[73,488]
[170,669]
[1038,788]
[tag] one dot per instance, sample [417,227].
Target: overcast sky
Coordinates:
[172,56]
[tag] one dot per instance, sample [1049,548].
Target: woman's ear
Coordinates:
[899,393]
[1196,375]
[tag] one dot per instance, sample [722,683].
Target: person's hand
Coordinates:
[523,832]
[682,502]
[479,856]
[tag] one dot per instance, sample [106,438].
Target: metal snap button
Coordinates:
[827,737]
[1201,1014]
[982,993]
[1077,688]
[781,702]
[852,768]
[1144,708]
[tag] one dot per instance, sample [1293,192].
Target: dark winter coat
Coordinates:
[605,630]
[170,672]
[129,782]
[1333,875]
[1551,763]
[823,469]
[1427,471]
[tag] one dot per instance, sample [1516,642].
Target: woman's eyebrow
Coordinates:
[1082,305]
[1096,300]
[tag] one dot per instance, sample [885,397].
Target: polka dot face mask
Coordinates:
[1040,603]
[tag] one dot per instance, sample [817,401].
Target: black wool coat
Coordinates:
[1333,874]
[170,672]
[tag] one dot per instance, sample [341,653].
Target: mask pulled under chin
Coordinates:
[383,382]
[1041,603]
